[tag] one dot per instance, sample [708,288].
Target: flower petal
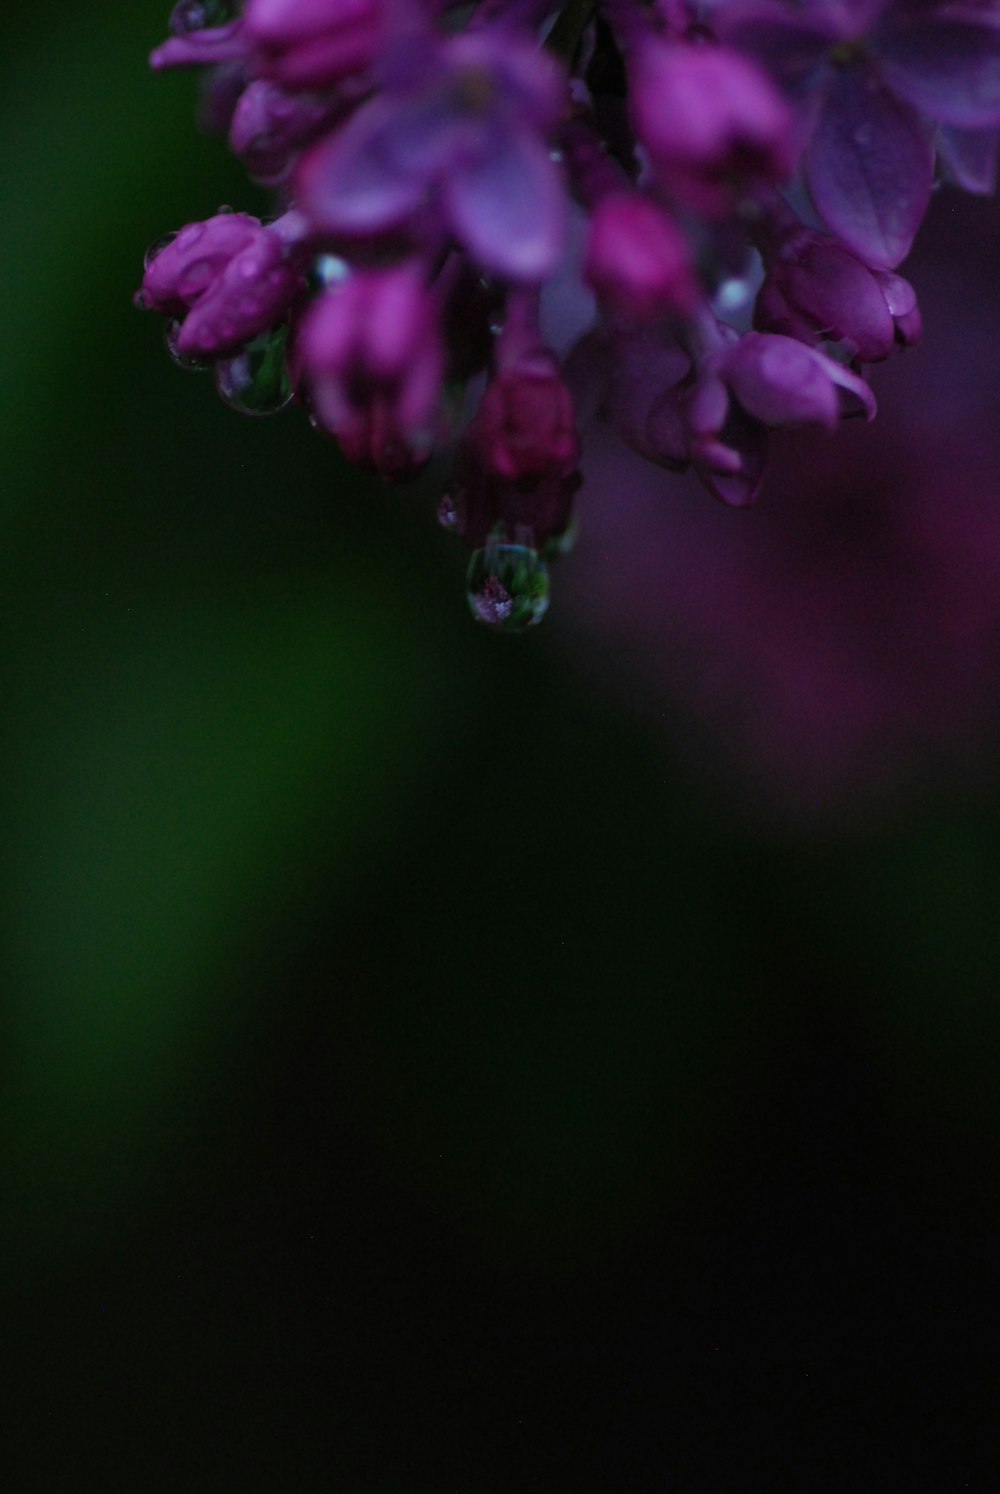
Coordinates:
[508,207]
[374,172]
[781,382]
[949,69]
[869,167]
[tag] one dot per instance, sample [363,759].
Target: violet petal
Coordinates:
[870,167]
[358,181]
[949,69]
[508,207]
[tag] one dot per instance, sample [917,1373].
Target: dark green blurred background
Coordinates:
[415,1077]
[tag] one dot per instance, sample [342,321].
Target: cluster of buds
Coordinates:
[495,224]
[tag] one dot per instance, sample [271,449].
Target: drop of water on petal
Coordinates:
[508,587]
[195,15]
[156,248]
[255,381]
[183,360]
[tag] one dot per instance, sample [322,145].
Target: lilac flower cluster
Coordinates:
[499,222]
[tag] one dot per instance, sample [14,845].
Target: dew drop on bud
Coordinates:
[255,380]
[196,15]
[508,587]
[154,249]
[183,360]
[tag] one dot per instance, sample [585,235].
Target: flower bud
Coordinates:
[818,289]
[372,361]
[637,261]
[524,427]
[708,118]
[305,44]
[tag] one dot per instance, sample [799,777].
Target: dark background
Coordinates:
[433,1063]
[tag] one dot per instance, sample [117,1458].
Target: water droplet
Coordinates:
[155,249]
[447,513]
[508,587]
[196,15]
[327,270]
[255,381]
[183,360]
[732,295]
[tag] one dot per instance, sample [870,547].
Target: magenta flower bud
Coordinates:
[524,427]
[270,127]
[305,44]
[709,118]
[817,289]
[252,293]
[184,268]
[372,360]
[205,47]
[637,261]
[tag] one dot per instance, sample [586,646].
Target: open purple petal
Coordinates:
[869,167]
[947,68]
[781,382]
[366,178]
[508,207]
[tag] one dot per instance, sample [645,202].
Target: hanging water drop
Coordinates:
[183,360]
[155,248]
[508,587]
[255,381]
[197,15]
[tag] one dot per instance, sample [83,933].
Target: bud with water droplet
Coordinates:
[508,587]
[255,381]
[198,15]
[171,332]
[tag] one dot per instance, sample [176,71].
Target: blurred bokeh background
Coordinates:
[434,1062]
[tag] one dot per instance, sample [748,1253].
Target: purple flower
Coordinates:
[228,278]
[300,44]
[456,139]
[423,157]
[875,80]
[637,261]
[371,362]
[815,289]
[312,43]
[710,119]
[762,380]
[270,127]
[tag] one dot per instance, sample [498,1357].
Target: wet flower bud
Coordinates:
[817,289]
[524,425]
